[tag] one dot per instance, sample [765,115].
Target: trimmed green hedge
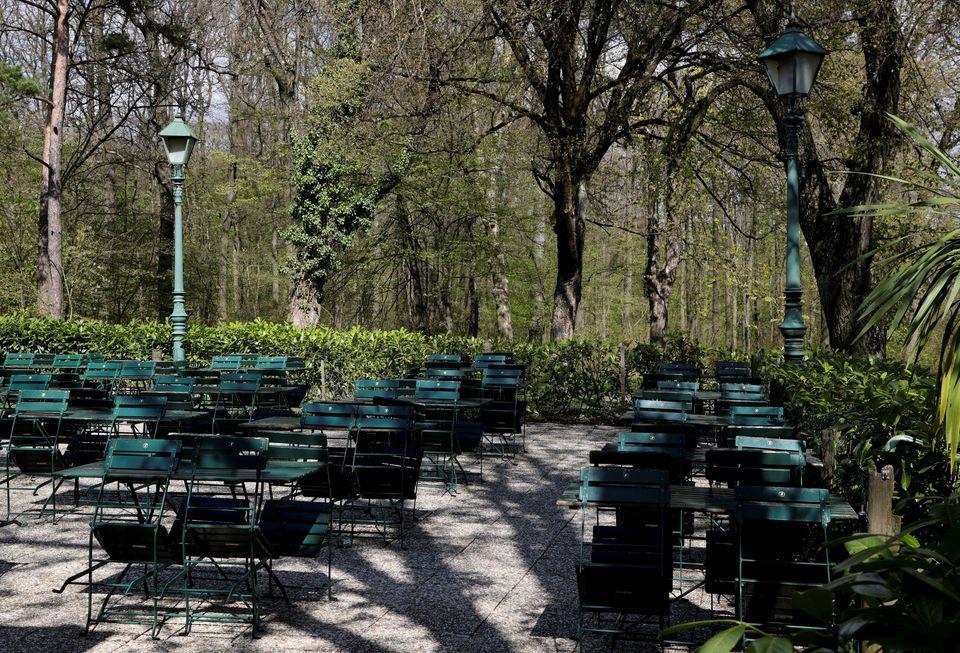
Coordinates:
[569,379]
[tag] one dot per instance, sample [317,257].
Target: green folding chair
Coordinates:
[781,536]
[127,529]
[33,446]
[625,570]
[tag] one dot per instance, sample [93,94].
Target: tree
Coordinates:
[50,244]
[563,52]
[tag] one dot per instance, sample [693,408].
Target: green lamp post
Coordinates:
[792,62]
[178,141]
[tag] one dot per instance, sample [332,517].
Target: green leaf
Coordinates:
[770,645]
[817,602]
[724,641]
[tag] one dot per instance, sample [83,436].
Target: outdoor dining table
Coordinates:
[273,472]
[713,500]
[105,415]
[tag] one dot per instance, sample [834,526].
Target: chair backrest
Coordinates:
[22,359]
[176,400]
[483,361]
[629,439]
[68,361]
[29,382]
[369,388]
[222,453]
[328,415]
[102,370]
[683,386]
[512,371]
[731,365]
[42,402]
[140,458]
[622,486]
[239,383]
[734,395]
[173,384]
[760,431]
[384,418]
[94,357]
[756,415]
[137,370]
[288,447]
[500,383]
[794,504]
[226,362]
[742,387]
[655,409]
[768,444]
[437,389]
[139,408]
[446,373]
[754,466]
[445,358]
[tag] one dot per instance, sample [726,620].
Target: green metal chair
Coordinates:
[219,533]
[682,386]
[484,361]
[141,414]
[33,446]
[768,444]
[335,421]
[756,416]
[235,401]
[375,388]
[230,362]
[505,416]
[775,531]
[439,427]
[625,570]
[385,467]
[102,374]
[656,410]
[127,526]
[18,382]
[449,373]
[173,384]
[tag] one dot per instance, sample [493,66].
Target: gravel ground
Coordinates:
[490,569]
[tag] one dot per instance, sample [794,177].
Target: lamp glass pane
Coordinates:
[177,149]
[807,66]
[781,72]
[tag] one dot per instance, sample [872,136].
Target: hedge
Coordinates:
[568,379]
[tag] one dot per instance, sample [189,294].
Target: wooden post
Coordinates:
[623,372]
[880,517]
[323,379]
[828,439]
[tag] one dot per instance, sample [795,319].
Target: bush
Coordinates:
[573,379]
[873,400]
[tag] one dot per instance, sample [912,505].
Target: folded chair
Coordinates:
[625,570]
[386,466]
[223,548]
[235,401]
[441,431]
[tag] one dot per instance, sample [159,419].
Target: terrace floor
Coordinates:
[490,569]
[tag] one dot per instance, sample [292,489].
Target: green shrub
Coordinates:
[569,379]
[874,400]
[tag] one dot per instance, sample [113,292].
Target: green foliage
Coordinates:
[569,379]
[873,400]
[899,593]
[921,294]
[336,189]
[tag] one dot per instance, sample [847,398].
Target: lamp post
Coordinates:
[178,141]
[792,62]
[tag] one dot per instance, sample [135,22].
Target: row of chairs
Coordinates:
[202,556]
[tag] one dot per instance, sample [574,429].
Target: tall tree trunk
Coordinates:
[536,328]
[568,224]
[50,245]
[500,288]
